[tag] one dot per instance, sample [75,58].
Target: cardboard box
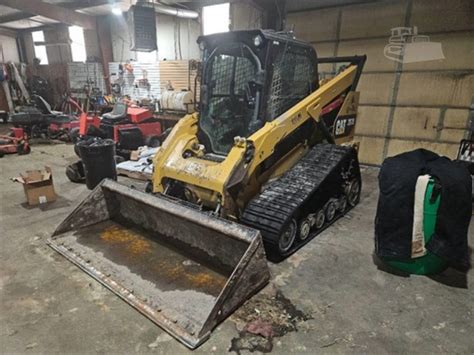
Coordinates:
[38,186]
[134,155]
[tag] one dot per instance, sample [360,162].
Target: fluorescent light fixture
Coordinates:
[117,11]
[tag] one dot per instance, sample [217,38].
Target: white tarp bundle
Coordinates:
[143,166]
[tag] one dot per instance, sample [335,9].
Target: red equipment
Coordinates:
[138,114]
[38,120]
[129,127]
[16,142]
[85,122]
[62,130]
[149,130]
[136,117]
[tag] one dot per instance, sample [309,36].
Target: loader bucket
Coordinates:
[183,269]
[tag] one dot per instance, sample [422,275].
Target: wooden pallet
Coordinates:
[138,175]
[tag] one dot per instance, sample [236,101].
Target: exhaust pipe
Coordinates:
[184,269]
[173,11]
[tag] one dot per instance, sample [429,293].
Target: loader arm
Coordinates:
[265,140]
[273,132]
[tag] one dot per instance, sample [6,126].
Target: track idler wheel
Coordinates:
[353,192]
[287,237]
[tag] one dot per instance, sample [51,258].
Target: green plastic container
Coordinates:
[428,264]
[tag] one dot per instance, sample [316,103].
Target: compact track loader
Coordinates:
[266,165]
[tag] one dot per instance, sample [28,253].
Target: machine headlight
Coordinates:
[257,41]
[202,45]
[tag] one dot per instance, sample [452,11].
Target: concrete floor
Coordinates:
[342,302]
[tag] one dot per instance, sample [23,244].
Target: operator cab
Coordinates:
[250,78]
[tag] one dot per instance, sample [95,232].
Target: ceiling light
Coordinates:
[117,11]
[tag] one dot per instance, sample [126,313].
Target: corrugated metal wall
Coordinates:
[402,105]
[175,73]
[179,74]
[82,74]
[132,83]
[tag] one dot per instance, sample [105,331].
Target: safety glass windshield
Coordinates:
[232,96]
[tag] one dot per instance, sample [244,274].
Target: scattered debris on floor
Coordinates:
[260,327]
[266,316]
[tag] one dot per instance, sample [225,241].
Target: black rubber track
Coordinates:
[319,176]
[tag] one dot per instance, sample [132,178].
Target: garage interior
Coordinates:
[89,58]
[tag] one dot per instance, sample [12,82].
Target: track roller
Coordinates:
[330,210]
[342,203]
[305,228]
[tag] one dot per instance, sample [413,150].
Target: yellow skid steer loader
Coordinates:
[266,165]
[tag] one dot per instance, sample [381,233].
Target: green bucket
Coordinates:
[428,264]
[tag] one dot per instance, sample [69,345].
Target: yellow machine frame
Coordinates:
[209,180]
